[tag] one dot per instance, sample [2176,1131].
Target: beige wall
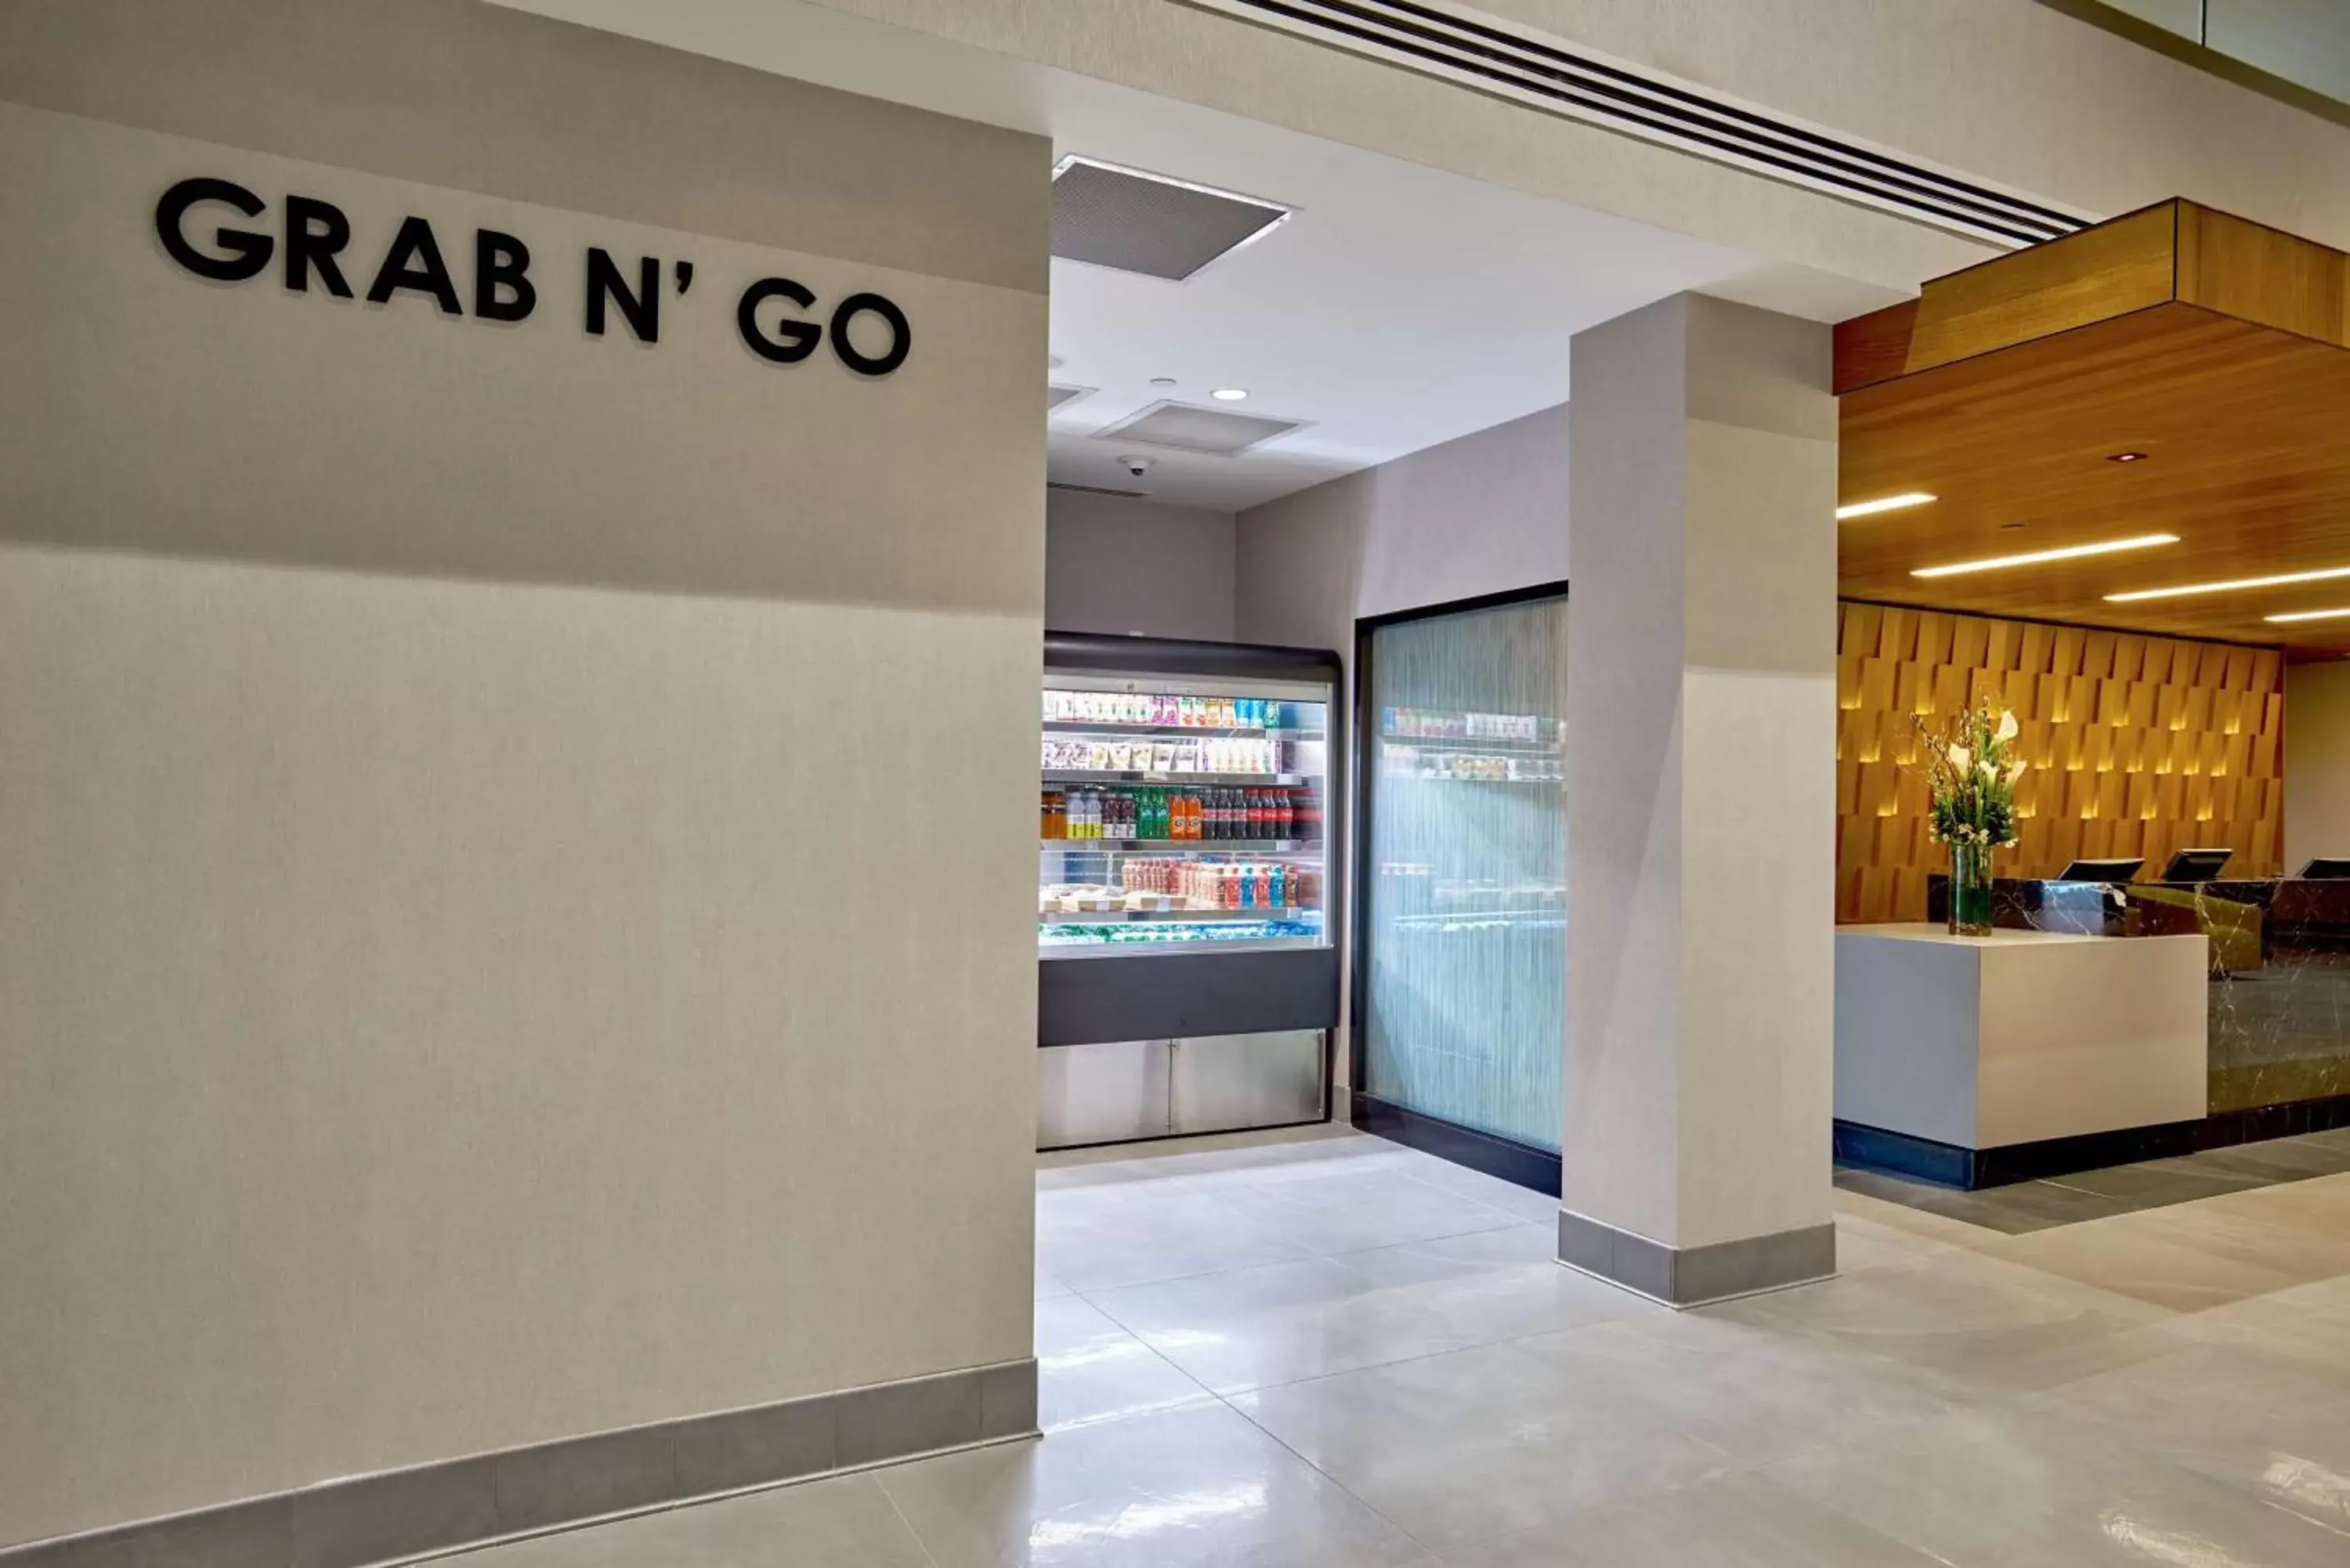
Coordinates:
[2316,761]
[1137,567]
[515,916]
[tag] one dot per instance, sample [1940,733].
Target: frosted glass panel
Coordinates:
[1465,867]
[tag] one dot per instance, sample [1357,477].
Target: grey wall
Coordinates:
[1482,515]
[1122,566]
[516,913]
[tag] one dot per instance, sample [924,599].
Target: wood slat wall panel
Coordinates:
[2138,745]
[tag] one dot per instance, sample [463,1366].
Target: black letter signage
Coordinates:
[414,262]
[776,317]
[248,253]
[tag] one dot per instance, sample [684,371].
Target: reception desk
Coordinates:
[2022,1037]
[2269,1015]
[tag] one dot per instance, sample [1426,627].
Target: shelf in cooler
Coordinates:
[1172,917]
[1209,732]
[1200,845]
[1261,781]
[1141,947]
[1476,748]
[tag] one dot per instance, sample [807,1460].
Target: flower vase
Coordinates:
[1970,889]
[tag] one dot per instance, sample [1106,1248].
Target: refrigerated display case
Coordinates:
[1186,940]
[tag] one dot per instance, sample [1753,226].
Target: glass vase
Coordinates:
[1970,889]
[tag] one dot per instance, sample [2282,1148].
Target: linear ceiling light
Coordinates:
[2306,615]
[1884,504]
[2328,574]
[2070,552]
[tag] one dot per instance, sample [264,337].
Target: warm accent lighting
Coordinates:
[2069,553]
[2128,457]
[1886,503]
[1229,394]
[2306,615]
[2328,574]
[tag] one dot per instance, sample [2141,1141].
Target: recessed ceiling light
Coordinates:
[1162,381]
[1229,394]
[1884,503]
[2070,552]
[2128,457]
[2306,615]
[2285,580]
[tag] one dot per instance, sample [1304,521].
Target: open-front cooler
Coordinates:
[1187,967]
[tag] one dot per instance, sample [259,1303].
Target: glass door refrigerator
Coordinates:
[1187,967]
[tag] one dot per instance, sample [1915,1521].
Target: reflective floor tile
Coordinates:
[844,1522]
[1757,1392]
[1454,1257]
[2156,1183]
[1102,1238]
[2005,1487]
[1346,1213]
[2276,1426]
[1523,1203]
[1986,1327]
[1742,1520]
[1090,1369]
[1477,1444]
[1193,1487]
[2150,1262]
[1252,1327]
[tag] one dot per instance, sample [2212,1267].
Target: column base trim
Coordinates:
[1695,1276]
[454,1504]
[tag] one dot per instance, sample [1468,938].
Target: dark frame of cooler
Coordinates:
[1522,1164]
[1189,992]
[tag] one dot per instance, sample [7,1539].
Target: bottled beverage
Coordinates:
[1276,886]
[1284,815]
[1054,819]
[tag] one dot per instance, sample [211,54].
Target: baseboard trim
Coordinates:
[1970,1169]
[1695,1276]
[454,1504]
[1521,1164]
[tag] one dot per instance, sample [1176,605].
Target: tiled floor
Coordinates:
[2099,1194]
[1340,1352]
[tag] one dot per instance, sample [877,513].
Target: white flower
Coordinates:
[2015,770]
[2008,728]
[1962,758]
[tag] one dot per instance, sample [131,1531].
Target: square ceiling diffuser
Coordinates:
[1189,428]
[1136,221]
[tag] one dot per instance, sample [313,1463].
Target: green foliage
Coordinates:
[1970,772]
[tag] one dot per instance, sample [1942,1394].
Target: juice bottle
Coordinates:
[1054,819]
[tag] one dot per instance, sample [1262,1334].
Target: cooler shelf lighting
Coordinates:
[2035,558]
[2285,581]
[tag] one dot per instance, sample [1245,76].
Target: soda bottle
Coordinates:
[1284,817]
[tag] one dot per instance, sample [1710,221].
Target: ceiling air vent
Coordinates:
[1149,224]
[1095,489]
[1188,428]
[1056,395]
[1437,38]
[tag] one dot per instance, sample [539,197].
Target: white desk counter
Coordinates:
[1983,1042]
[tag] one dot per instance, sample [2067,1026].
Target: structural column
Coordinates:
[1700,803]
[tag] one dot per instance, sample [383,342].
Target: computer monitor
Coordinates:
[2326,869]
[2195,864]
[2100,870]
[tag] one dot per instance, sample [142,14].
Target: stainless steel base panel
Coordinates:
[1132,1090]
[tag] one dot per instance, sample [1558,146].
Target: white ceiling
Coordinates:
[1402,305]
